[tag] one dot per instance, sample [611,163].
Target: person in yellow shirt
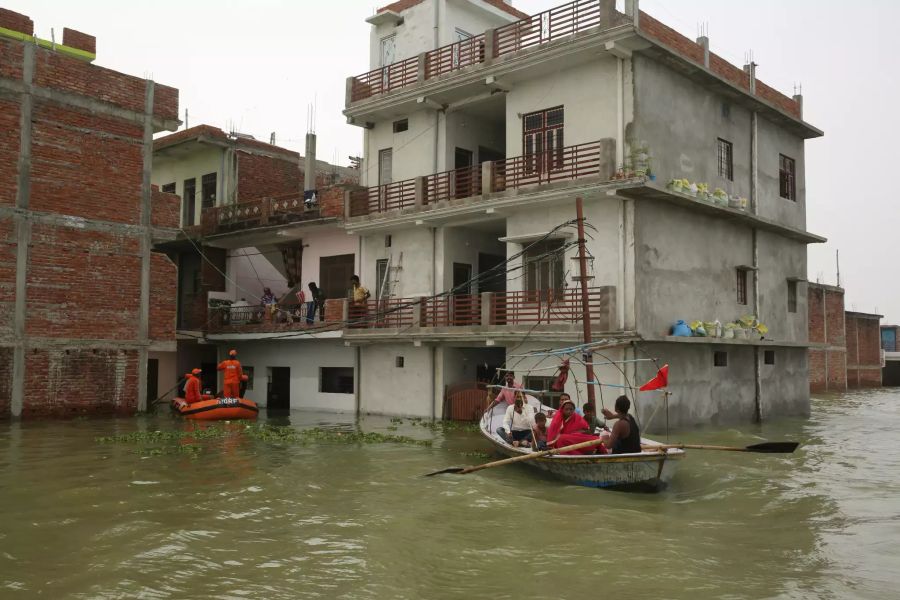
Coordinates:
[360,294]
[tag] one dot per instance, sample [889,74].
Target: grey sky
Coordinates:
[256,65]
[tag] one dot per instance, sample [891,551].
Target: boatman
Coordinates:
[233,375]
[192,387]
[625,437]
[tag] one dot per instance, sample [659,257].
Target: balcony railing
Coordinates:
[259,212]
[460,310]
[565,163]
[538,29]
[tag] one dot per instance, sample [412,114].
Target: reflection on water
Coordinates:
[244,518]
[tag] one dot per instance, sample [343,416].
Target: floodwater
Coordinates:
[242,517]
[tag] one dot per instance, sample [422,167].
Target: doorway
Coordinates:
[335,273]
[278,391]
[463,177]
[152,380]
[495,281]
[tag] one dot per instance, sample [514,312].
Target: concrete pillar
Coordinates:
[487,299]
[798,98]
[348,91]
[750,69]
[146,249]
[346,203]
[309,174]
[487,177]
[633,10]
[422,67]
[417,309]
[23,231]
[703,41]
[607,12]
[420,191]
[490,45]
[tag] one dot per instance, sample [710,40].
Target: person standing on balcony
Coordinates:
[268,302]
[359,297]
[316,303]
[234,374]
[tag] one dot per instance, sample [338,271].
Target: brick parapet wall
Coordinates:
[79,40]
[260,176]
[694,52]
[164,210]
[16,22]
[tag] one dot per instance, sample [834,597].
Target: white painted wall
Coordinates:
[411,249]
[199,162]
[468,131]
[473,17]
[462,245]
[413,150]
[387,389]
[249,272]
[325,243]
[588,92]
[304,358]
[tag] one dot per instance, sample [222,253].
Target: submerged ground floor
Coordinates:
[709,383]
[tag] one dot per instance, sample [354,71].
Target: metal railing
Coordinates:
[458,183]
[568,162]
[455,56]
[385,79]
[546,306]
[447,311]
[543,27]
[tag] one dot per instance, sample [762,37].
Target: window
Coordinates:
[387,241]
[208,190]
[248,371]
[726,160]
[726,110]
[336,380]
[388,50]
[543,140]
[769,357]
[188,201]
[720,358]
[385,165]
[169,188]
[544,268]
[792,296]
[741,285]
[398,362]
[382,285]
[543,384]
[401,125]
[787,182]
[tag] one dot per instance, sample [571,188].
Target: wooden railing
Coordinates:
[455,56]
[446,311]
[570,162]
[538,29]
[385,79]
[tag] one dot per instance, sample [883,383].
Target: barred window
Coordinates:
[726,160]
[742,286]
[792,296]
[787,177]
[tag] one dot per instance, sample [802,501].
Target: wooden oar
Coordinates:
[765,447]
[514,459]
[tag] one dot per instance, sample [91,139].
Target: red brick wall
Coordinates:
[72,382]
[863,352]
[869,342]
[331,201]
[9,151]
[6,368]
[164,209]
[81,41]
[83,284]
[821,312]
[837,370]
[163,297]
[850,329]
[7,277]
[816,370]
[16,22]
[260,176]
[85,165]
[11,54]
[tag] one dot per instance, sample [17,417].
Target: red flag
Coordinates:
[660,381]
[559,384]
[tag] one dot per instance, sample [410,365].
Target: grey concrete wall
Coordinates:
[785,385]
[779,259]
[773,140]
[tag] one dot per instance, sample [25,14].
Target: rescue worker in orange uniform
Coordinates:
[233,375]
[192,387]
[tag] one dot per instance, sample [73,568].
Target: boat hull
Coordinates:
[645,471]
[217,409]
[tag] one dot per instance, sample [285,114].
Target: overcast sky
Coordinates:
[255,66]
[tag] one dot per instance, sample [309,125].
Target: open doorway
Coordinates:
[335,273]
[152,379]
[278,393]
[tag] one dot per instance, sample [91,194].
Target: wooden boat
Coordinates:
[216,409]
[649,470]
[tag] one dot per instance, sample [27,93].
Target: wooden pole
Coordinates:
[585,302]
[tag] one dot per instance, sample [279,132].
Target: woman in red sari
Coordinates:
[568,427]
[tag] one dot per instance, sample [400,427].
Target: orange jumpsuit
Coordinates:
[192,390]
[232,379]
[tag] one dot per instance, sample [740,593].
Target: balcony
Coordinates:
[541,28]
[477,315]
[593,159]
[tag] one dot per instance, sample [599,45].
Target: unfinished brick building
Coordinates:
[85,305]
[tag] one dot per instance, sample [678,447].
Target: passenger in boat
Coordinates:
[517,423]
[192,387]
[233,375]
[590,415]
[568,427]
[625,437]
[508,393]
[540,431]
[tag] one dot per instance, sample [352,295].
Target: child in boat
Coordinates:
[540,431]
[590,415]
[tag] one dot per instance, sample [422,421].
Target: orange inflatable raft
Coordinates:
[216,409]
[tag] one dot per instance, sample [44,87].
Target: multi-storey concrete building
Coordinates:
[87,311]
[482,125]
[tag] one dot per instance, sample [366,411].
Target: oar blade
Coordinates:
[773,447]
[448,470]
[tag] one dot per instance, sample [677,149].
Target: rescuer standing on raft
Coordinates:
[234,374]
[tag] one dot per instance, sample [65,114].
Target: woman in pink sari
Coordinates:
[568,427]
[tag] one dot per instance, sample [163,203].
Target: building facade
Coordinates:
[890,347]
[87,312]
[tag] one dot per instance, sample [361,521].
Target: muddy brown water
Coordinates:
[245,518]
